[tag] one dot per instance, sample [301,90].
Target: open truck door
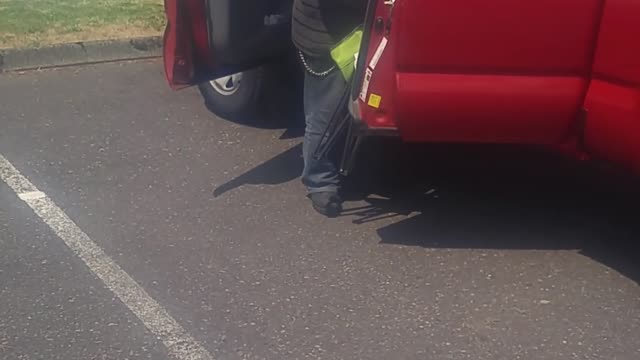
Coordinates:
[208,39]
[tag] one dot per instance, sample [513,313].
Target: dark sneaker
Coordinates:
[326,203]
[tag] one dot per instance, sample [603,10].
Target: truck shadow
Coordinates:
[482,197]
[500,198]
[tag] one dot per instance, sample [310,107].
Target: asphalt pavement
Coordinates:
[443,253]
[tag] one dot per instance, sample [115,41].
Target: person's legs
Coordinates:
[321,178]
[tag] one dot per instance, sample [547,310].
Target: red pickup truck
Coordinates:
[563,74]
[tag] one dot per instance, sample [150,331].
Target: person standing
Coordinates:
[317,26]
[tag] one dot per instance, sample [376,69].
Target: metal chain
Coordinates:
[310,70]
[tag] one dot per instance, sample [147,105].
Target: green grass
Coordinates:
[28,23]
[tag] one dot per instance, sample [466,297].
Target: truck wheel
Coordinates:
[236,97]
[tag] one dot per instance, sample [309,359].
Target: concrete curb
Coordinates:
[80,53]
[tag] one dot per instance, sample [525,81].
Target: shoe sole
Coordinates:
[330,212]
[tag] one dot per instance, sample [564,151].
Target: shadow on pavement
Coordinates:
[279,169]
[482,197]
[287,114]
[501,198]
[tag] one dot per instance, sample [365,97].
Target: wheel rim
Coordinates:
[227,85]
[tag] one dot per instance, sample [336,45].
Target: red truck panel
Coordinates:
[500,71]
[487,108]
[544,37]
[613,102]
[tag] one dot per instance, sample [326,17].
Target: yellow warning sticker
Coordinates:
[374,100]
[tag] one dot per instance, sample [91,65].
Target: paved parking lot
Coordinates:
[134,224]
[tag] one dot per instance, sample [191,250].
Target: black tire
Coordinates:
[242,105]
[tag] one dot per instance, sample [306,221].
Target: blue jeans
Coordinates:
[321,97]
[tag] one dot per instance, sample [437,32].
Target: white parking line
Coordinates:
[179,343]
[31,195]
